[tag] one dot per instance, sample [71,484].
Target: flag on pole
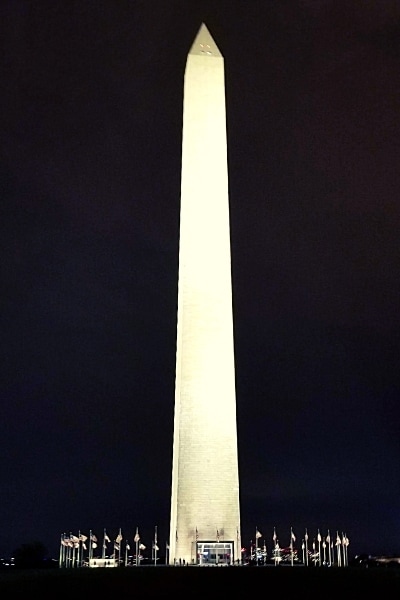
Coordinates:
[128,546]
[274,537]
[106,538]
[319,538]
[118,539]
[142,547]
[137,536]
[93,537]
[258,534]
[197,535]
[217,535]
[176,535]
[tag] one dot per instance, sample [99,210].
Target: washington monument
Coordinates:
[205,507]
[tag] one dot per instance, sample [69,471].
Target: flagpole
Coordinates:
[136,540]
[67,554]
[291,547]
[117,547]
[64,554]
[258,535]
[306,541]
[319,547]
[79,549]
[127,547]
[345,551]
[73,549]
[61,550]
[155,546]
[328,539]
[274,538]
[337,552]
[69,557]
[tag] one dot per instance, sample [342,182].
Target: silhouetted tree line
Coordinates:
[32,555]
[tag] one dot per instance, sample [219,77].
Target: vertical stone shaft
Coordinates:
[205,478]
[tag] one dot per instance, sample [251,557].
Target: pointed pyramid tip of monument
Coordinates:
[204,44]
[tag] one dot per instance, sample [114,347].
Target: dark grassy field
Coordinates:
[200,582]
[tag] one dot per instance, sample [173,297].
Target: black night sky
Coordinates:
[91,117]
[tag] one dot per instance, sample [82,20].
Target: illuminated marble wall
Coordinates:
[205,478]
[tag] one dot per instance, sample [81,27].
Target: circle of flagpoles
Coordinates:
[89,550]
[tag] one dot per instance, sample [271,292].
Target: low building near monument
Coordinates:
[102,562]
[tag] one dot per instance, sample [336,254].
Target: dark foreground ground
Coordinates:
[201,582]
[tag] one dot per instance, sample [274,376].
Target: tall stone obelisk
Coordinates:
[205,508]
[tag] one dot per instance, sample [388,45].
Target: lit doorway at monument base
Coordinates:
[214,553]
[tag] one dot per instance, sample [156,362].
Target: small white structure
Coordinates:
[103,562]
